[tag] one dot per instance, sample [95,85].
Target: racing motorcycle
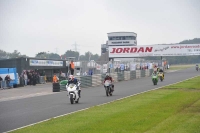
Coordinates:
[72,90]
[108,88]
[154,78]
[161,76]
[197,68]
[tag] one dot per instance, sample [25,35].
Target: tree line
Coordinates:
[45,55]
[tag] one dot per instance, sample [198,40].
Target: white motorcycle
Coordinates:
[73,92]
[108,88]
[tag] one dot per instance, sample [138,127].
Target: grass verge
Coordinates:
[174,108]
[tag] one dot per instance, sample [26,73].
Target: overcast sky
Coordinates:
[32,26]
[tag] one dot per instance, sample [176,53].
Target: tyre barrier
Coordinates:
[147,73]
[133,75]
[138,73]
[56,87]
[127,75]
[142,73]
[120,76]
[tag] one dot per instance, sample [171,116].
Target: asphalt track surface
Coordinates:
[25,106]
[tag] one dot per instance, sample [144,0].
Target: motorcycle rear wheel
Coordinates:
[77,100]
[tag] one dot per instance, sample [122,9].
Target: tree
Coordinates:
[3,55]
[70,53]
[16,54]
[45,55]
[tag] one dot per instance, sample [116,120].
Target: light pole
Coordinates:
[48,54]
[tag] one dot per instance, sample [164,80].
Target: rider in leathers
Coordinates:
[74,81]
[109,78]
[161,71]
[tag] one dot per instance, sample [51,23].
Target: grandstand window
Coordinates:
[122,38]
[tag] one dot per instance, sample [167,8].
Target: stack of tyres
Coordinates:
[56,87]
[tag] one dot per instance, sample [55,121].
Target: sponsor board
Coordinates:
[154,50]
[33,62]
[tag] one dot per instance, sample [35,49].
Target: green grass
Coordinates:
[172,109]
[180,67]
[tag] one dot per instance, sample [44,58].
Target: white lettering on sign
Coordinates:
[154,50]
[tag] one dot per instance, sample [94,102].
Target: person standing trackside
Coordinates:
[55,79]
[1,82]
[71,67]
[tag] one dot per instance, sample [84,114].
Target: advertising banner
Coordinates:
[33,62]
[105,67]
[154,50]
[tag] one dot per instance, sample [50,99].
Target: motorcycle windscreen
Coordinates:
[71,85]
[107,83]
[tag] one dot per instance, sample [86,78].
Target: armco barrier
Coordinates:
[86,81]
[132,74]
[142,73]
[138,74]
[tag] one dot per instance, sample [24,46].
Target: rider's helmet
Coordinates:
[71,77]
[107,75]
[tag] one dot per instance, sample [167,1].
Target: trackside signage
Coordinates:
[154,50]
[33,62]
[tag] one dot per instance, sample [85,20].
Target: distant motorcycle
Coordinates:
[73,92]
[161,76]
[197,68]
[154,78]
[108,88]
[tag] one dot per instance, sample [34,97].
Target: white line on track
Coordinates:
[96,105]
[25,96]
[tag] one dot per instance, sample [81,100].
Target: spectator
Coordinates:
[7,79]
[1,82]
[25,79]
[55,79]
[34,78]
[45,79]
[71,67]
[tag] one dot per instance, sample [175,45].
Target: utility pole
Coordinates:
[56,50]
[75,47]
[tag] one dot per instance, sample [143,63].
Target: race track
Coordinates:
[22,111]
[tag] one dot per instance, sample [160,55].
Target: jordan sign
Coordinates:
[154,50]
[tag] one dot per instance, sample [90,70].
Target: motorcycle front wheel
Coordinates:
[71,99]
[107,91]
